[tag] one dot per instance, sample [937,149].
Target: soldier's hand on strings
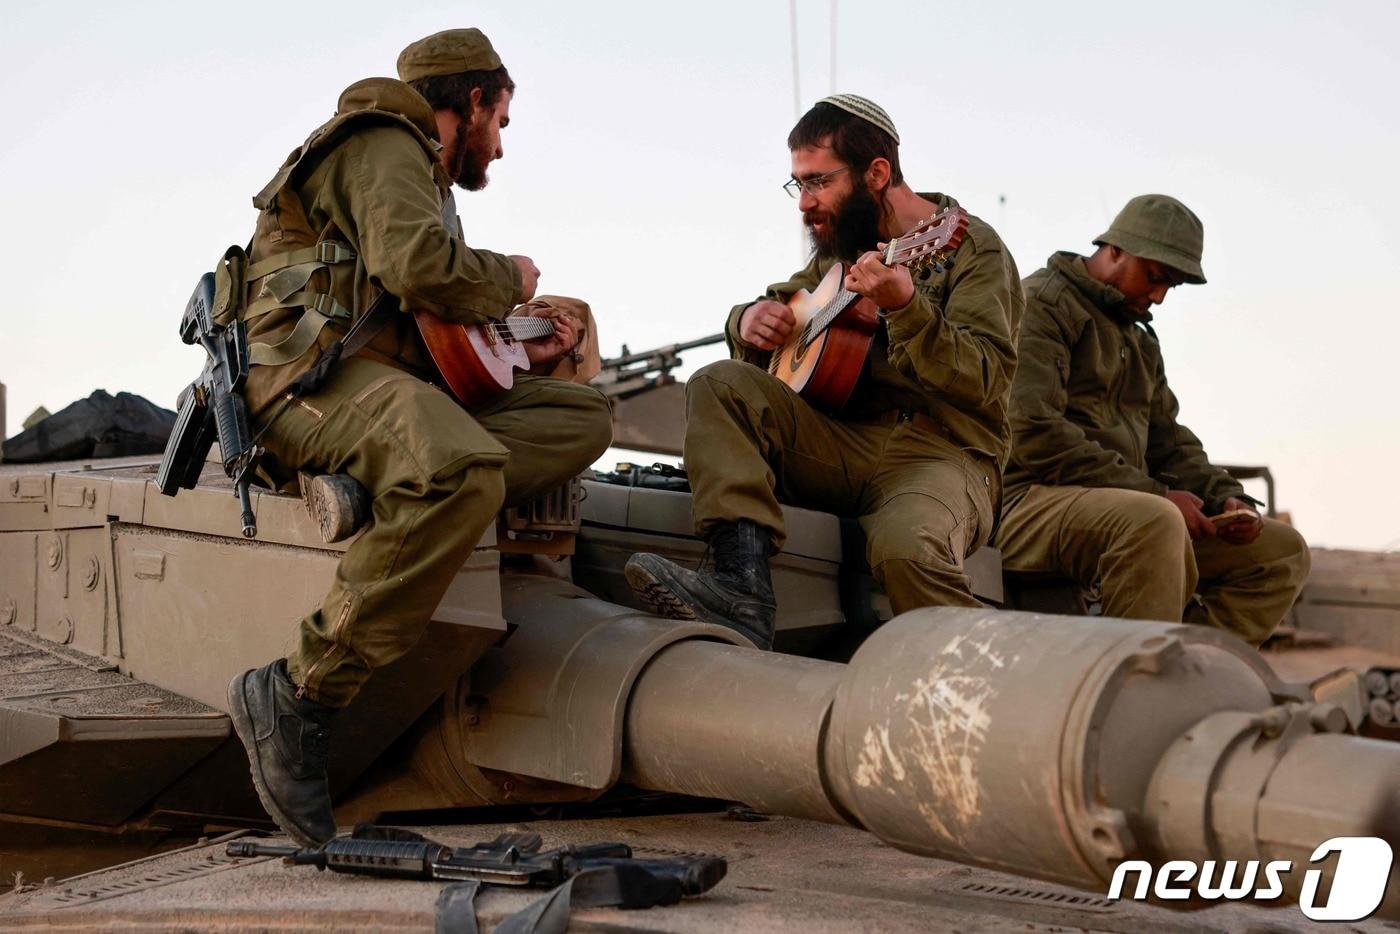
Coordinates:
[529,276]
[549,349]
[1245,529]
[889,287]
[767,324]
[1198,524]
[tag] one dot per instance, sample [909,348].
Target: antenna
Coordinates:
[833,47]
[797,80]
[796,111]
[796,76]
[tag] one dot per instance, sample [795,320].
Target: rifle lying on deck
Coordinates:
[603,873]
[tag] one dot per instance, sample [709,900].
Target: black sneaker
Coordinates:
[287,739]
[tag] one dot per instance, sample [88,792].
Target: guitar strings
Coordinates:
[818,322]
[828,312]
[524,329]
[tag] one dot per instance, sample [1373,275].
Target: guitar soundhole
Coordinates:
[799,350]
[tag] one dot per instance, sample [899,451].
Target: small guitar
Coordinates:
[826,351]
[477,361]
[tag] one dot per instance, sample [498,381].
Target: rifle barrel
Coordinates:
[253,848]
[668,350]
[246,518]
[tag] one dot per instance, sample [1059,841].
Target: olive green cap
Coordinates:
[449,52]
[1162,229]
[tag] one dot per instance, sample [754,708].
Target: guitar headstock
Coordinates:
[930,242]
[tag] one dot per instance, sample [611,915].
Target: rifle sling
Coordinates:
[374,321]
[455,912]
[361,333]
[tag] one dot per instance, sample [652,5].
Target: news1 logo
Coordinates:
[1358,883]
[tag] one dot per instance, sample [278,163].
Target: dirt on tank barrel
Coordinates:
[1053,747]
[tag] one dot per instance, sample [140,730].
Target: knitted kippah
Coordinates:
[866,109]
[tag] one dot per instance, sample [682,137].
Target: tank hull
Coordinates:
[1049,747]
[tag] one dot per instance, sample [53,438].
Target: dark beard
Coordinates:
[469,165]
[854,229]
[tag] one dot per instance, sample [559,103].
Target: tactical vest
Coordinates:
[302,288]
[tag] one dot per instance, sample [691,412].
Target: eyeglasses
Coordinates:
[813,185]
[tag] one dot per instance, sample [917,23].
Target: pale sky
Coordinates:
[646,150]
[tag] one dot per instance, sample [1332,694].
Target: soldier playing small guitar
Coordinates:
[364,206]
[916,452]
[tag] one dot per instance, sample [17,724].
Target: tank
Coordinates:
[1030,745]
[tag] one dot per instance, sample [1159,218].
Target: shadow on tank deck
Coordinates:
[785,875]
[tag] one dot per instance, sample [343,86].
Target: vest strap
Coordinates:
[327,252]
[284,283]
[319,302]
[291,347]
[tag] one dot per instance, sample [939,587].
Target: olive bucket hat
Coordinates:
[450,52]
[1162,229]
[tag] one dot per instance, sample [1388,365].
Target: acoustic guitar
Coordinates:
[478,361]
[825,353]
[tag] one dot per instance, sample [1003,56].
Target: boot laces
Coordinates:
[706,558]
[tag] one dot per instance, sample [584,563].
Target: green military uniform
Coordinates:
[917,452]
[1097,445]
[358,208]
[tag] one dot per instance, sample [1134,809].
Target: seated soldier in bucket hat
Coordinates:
[366,204]
[1105,485]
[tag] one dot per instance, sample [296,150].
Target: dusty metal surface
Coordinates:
[84,743]
[1050,746]
[124,613]
[785,875]
[1353,596]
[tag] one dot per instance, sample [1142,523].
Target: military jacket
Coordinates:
[359,207]
[1090,404]
[949,353]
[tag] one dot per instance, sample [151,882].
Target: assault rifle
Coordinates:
[212,407]
[603,873]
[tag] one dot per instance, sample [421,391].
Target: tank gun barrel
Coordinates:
[1055,747]
[1051,746]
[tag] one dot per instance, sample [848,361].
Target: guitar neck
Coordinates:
[829,312]
[838,303]
[927,242]
[521,328]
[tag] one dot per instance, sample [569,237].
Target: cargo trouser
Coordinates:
[437,476]
[1135,545]
[924,503]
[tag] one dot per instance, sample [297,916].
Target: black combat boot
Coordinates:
[737,594]
[287,738]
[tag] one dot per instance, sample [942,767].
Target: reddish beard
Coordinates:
[469,160]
